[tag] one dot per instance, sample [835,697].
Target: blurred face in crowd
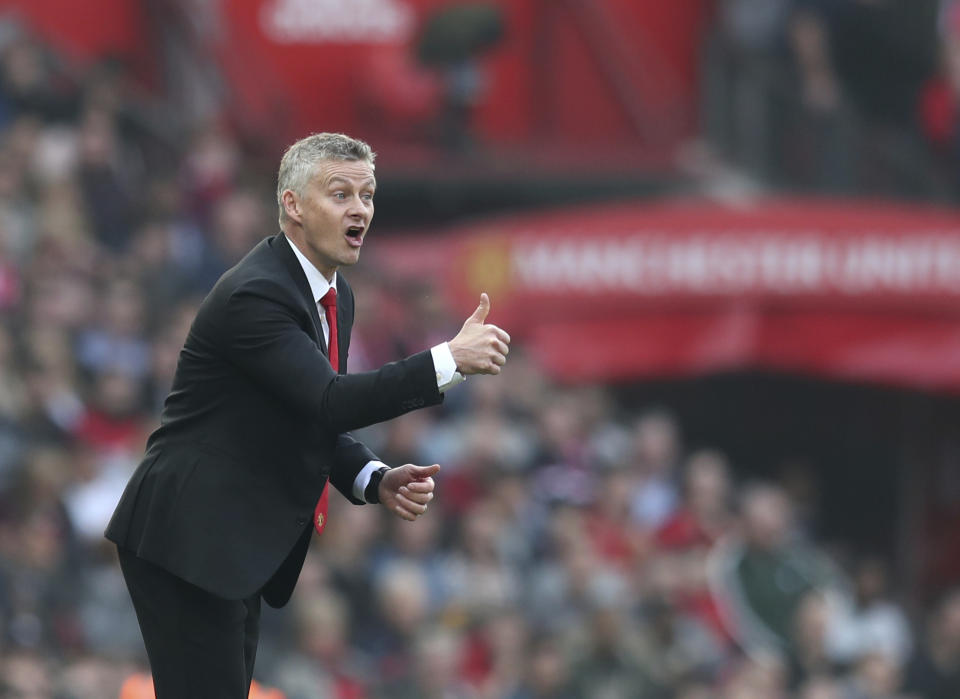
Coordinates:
[547,668]
[480,532]
[98,139]
[323,626]
[695,691]
[26,676]
[871,581]
[708,483]
[91,678]
[117,394]
[239,221]
[821,688]
[505,634]
[767,518]
[757,678]
[656,443]
[402,598]
[947,623]
[124,307]
[436,654]
[23,66]
[330,218]
[878,675]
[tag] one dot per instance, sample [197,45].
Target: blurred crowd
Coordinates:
[839,96]
[576,550]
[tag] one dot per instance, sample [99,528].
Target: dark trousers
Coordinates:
[200,646]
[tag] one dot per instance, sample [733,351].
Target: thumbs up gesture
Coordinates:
[480,348]
[407,490]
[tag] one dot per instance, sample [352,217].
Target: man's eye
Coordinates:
[340,195]
[368,196]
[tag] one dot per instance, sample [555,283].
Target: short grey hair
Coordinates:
[299,162]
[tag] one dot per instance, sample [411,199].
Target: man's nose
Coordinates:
[356,208]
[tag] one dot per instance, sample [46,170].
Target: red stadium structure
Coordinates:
[569,81]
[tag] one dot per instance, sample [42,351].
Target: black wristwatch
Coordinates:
[372,492]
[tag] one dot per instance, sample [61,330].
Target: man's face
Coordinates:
[334,213]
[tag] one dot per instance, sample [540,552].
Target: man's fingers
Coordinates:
[502,335]
[418,508]
[422,486]
[501,347]
[403,513]
[419,497]
[411,505]
[483,309]
[498,359]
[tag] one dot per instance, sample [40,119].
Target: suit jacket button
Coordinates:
[301,521]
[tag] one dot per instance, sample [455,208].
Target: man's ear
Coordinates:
[291,204]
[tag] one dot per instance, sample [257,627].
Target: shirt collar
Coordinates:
[318,283]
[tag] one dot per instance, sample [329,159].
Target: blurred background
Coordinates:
[724,459]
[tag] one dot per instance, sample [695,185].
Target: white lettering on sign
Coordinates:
[336,21]
[769,262]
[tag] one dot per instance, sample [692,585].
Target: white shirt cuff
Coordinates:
[363,478]
[446,367]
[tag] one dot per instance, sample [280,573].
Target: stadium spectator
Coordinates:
[433,671]
[873,625]
[656,455]
[704,514]
[746,83]
[322,663]
[547,675]
[862,65]
[764,574]
[118,342]
[26,676]
[30,82]
[934,669]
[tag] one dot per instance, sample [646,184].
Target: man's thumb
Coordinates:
[419,472]
[483,309]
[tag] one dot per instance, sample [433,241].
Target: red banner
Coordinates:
[851,290]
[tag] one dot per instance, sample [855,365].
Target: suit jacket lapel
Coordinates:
[341,327]
[283,249]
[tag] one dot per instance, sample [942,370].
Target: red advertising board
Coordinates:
[860,291]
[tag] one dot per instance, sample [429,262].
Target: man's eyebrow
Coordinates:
[370,181]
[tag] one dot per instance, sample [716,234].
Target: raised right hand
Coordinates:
[480,348]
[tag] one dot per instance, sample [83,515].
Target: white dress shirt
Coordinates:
[443,362]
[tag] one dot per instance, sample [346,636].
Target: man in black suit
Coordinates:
[218,514]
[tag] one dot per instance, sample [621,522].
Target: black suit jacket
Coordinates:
[255,424]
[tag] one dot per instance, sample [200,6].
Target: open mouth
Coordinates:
[355,235]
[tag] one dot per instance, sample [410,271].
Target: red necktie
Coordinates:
[329,303]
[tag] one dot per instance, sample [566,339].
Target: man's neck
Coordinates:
[302,248]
